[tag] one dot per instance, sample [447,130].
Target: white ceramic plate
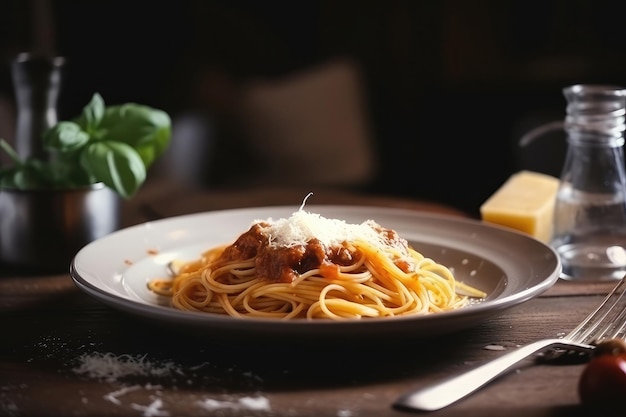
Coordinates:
[511,267]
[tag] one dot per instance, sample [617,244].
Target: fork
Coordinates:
[607,321]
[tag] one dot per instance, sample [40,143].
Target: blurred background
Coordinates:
[422,99]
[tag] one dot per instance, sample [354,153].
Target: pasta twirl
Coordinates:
[310,267]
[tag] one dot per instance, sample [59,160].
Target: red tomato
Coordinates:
[603,381]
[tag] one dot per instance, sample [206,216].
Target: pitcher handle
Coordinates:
[541,130]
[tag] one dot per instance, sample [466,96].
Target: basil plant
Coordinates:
[114,145]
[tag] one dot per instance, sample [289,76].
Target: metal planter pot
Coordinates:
[41,230]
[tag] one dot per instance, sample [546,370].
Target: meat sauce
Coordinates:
[286,263]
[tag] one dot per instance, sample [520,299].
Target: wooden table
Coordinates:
[51,331]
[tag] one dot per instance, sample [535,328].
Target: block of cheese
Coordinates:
[525,202]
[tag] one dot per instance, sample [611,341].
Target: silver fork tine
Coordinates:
[606,313]
[607,320]
[619,322]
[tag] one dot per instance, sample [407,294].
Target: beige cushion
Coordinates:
[311,127]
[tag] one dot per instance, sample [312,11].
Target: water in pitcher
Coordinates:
[596,252]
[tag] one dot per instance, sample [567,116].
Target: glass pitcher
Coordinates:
[589,225]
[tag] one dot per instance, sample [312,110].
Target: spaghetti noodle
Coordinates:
[308,266]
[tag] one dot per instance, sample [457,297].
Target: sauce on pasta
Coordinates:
[311,267]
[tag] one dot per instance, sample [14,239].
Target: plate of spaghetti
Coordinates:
[315,272]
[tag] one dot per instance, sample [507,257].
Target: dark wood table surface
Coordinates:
[52,332]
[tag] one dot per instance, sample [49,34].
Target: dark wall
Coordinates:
[451,85]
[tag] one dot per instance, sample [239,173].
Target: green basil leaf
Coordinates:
[65,170]
[65,137]
[92,114]
[146,129]
[8,149]
[31,174]
[20,180]
[7,178]
[116,164]
[114,145]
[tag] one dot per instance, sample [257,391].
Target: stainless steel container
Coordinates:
[41,230]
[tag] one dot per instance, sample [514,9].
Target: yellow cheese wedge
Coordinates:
[525,202]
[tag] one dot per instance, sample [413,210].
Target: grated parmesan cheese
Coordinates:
[303,226]
[245,403]
[154,409]
[113,368]
[110,367]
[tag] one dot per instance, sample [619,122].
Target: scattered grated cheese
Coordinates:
[154,409]
[257,403]
[110,367]
[244,403]
[113,396]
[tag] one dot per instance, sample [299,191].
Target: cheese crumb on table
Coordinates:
[525,202]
